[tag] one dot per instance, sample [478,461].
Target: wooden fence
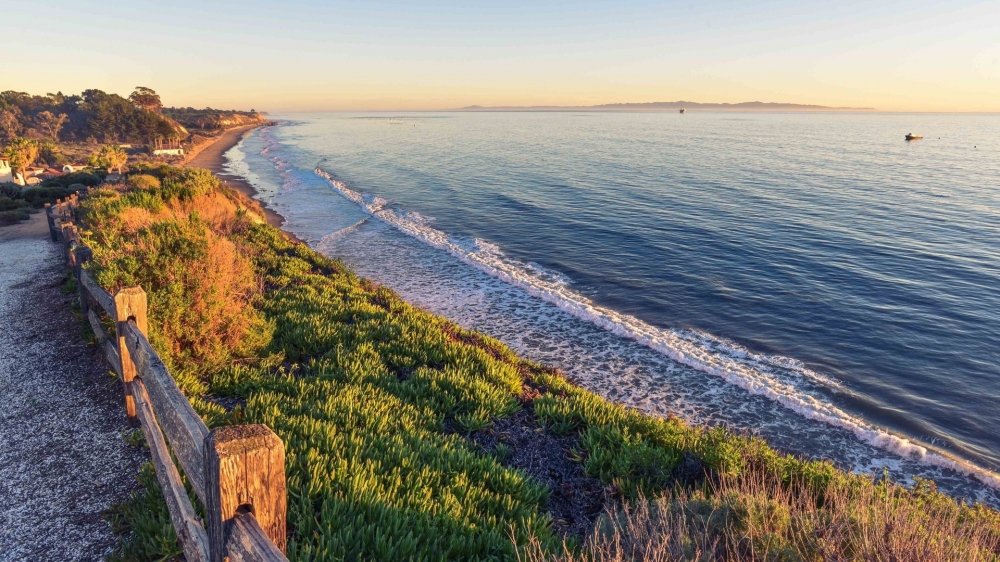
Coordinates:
[238,472]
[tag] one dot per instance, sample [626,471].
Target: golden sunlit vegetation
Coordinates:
[408,437]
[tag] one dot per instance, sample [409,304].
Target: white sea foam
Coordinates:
[338,233]
[776,378]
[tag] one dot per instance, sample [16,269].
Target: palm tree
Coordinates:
[21,152]
[111,157]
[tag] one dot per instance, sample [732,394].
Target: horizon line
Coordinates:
[542,109]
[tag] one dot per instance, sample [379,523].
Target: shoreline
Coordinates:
[945,461]
[212,157]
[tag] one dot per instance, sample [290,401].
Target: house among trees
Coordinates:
[167,147]
[6,173]
[70,168]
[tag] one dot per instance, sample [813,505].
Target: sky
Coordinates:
[309,55]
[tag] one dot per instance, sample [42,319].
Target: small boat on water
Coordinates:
[683,110]
[911,136]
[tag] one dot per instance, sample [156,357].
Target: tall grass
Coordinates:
[758,517]
[377,403]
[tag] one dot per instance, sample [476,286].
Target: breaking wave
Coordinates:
[783,380]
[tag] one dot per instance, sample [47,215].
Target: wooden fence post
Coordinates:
[130,303]
[244,473]
[52,222]
[70,238]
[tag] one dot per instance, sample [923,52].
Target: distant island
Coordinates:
[670,106]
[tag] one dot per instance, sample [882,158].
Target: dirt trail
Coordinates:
[63,460]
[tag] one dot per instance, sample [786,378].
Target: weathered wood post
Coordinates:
[74,204]
[52,222]
[244,473]
[83,255]
[70,238]
[130,303]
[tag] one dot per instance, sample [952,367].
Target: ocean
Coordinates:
[811,278]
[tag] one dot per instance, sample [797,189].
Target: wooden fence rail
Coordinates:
[238,472]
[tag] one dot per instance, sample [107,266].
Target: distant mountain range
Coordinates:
[670,105]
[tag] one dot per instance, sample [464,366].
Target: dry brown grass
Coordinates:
[218,285]
[756,517]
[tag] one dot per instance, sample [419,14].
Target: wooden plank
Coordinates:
[244,472]
[190,532]
[95,325]
[82,255]
[111,354]
[102,297]
[130,304]
[247,542]
[183,427]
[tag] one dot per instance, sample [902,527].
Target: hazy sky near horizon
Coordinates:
[326,55]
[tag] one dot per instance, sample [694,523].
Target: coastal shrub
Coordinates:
[379,405]
[86,178]
[8,204]
[10,189]
[144,181]
[199,285]
[187,183]
[158,171]
[199,290]
[38,196]
[9,217]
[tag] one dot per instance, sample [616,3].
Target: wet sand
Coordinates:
[211,156]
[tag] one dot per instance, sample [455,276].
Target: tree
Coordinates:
[50,124]
[10,123]
[21,152]
[146,98]
[110,157]
[49,153]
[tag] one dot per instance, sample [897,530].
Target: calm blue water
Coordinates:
[810,277]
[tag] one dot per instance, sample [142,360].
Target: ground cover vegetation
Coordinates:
[408,437]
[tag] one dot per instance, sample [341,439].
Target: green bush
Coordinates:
[89,179]
[9,217]
[158,171]
[10,189]
[199,289]
[8,204]
[38,196]
[144,181]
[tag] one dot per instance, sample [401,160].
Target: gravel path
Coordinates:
[63,460]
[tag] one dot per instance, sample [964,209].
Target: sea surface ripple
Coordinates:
[811,278]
